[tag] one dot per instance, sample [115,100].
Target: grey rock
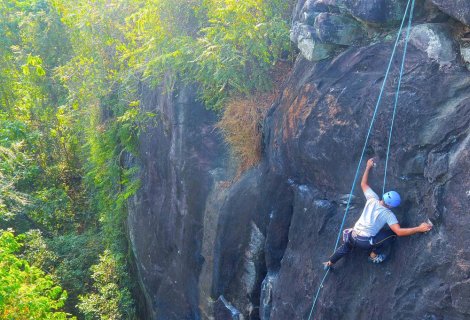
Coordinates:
[332,6]
[378,12]
[329,30]
[436,202]
[301,31]
[224,310]
[279,217]
[459,9]
[465,53]
[437,166]
[415,166]
[435,40]
[337,29]
[308,43]
[309,12]
[266,298]
[252,258]
[214,204]
[308,17]
[344,198]
[238,255]
[312,8]
[314,50]
[460,293]
[297,11]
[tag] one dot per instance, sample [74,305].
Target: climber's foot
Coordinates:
[376,258]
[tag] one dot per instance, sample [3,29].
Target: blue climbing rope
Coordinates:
[402,68]
[318,291]
[412,2]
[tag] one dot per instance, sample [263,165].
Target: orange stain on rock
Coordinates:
[299,110]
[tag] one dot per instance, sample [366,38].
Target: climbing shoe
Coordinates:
[378,258]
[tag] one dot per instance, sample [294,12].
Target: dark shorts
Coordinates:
[376,244]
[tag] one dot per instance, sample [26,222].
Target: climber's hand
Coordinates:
[370,163]
[424,227]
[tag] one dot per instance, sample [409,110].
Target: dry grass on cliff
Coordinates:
[242,121]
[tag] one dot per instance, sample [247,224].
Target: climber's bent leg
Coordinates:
[343,250]
[382,240]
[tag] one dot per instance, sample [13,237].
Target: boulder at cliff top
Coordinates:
[379,12]
[337,29]
[435,40]
[309,44]
[312,8]
[459,9]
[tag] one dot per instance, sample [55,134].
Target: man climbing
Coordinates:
[367,233]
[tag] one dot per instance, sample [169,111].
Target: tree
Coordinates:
[26,292]
[108,301]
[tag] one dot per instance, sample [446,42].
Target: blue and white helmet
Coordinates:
[392,199]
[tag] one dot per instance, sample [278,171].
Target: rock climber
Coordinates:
[368,232]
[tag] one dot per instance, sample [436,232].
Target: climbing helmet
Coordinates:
[392,199]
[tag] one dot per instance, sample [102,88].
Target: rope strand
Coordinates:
[397,93]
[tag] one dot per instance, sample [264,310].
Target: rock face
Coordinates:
[316,135]
[179,159]
[253,249]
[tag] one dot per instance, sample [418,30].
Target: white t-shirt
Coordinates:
[374,216]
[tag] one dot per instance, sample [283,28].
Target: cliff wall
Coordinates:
[253,249]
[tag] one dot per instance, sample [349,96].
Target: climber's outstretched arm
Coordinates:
[365,176]
[402,232]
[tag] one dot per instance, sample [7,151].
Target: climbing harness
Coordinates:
[410,18]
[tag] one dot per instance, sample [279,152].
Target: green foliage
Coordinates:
[235,45]
[238,47]
[37,252]
[41,138]
[12,161]
[67,259]
[43,134]
[25,291]
[112,183]
[108,300]
[74,255]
